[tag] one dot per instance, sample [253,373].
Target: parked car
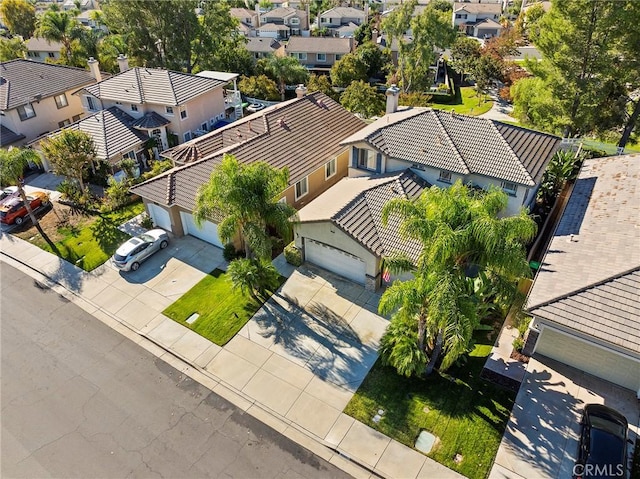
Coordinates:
[8,192]
[131,254]
[602,452]
[14,211]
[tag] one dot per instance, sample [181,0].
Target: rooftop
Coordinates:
[340,46]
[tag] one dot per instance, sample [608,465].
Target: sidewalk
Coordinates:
[282,393]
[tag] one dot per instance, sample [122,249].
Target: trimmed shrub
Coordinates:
[292,254]
[229,253]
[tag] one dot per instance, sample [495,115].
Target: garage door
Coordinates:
[208,232]
[335,260]
[160,216]
[590,358]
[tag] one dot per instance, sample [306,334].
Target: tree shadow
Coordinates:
[106,233]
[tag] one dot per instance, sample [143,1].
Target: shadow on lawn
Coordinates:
[106,233]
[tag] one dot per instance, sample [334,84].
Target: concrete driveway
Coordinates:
[541,439]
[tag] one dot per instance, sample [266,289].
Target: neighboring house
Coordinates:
[339,16]
[302,135]
[171,106]
[346,31]
[116,135]
[443,147]
[585,300]
[36,98]
[275,31]
[246,17]
[82,4]
[469,18]
[85,19]
[295,20]
[39,49]
[342,230]
[317,53]
[262,47]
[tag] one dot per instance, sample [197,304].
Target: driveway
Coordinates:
[541,439]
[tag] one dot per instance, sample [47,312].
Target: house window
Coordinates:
[509,188]
[463,16]
[203,127]
[52,55]
[63,123]
[302,187]
[445,176]
[26,111]
[91,104]
[169,110]
[283,200]
[61,101]
[294,21]
[118,103]
[322,57]
[183,114]
[134,107]
[366,158]
[299,56]
[131,155]
[330,169]
[187,136]
[338,57]
[75,118]
[324,20]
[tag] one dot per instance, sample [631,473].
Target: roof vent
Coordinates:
[281,122]
[453,113]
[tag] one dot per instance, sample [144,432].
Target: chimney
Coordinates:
[123,63]
[301,91]
[393,92]
[374,36]
[94,68]
[257,7]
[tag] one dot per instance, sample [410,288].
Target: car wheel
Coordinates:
[19,220]
[135,266]
[164,244]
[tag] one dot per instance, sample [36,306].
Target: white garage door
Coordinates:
[160,216]
[590,358]
[208,232]
[335,260]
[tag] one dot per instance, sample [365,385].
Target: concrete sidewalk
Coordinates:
[298,387]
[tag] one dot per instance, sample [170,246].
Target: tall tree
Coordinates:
[323,84]
[12,48]
[463,242]
[246,197]
[70,153]
[19,16]
[630,53]
[465,52]
[260,86]
[60,26]
[350,68]
[284,71]
[363,99]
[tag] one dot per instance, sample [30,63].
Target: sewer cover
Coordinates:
[425,442]
[192,319]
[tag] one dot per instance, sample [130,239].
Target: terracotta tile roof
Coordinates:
[300,134]
[24,81]
[592,283]
[461,144]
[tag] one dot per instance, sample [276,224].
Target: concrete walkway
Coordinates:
[294,366]
[500,111]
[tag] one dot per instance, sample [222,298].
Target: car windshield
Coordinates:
[147,238]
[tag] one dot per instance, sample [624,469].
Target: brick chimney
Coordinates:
[393,92]
[94,68]
[301,91]
[123,63]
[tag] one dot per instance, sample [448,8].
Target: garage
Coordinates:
[159,216]
[208,232]
[335,260]
[589,357]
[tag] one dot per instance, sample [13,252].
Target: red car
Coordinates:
[14,211]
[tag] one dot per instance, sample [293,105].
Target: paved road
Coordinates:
[80,400]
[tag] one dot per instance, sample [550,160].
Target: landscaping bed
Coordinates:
[465,103]
[467,414]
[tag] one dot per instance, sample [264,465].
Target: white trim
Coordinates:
[327,166]
[185,114]
[304,181]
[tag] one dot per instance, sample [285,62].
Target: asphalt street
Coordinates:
[80,400]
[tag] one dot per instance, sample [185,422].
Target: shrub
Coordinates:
[128,166]
[101,174]
[116,194]
[229,253]
[414,99]
[518,344]
[146,222]
[157,168]
[292,254]
[70,190]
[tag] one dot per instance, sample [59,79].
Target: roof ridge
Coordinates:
[139,81]
[171,190]
[584,288]
[103,132]
[173,88]
[453,144]
[512,153]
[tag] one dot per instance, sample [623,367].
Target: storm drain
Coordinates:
[192,319]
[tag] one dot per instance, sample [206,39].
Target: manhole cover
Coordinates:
[425,442]
[192,319]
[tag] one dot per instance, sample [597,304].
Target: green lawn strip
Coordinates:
[466,103]
[466,413]
[223,311]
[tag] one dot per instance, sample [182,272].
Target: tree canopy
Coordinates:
[284,71]
[19,16]
[69,153]
[12,48]
[260,86]
[363,99]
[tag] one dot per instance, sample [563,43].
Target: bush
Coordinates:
[146,222]
[157,168]
[518,344]
[70,190]
[292,254]
[116,194]
[229,253]
[128,166]
[101,175]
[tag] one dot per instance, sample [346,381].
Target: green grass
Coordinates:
[466,413]
[466,102]
[223,311]
[95,242]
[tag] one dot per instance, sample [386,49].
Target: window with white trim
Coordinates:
[91,104]
[330,169]
[61,100]
[302,187]
[445,176]
[183,114]
[134,107]
[322,57]
[168,110]
[338,56]
[294,21]
[130,154]
[324,20]
[52,55]
[283,200]
[26,111]
[75,118]
[366,158]
[63,123]
[509,188]
[299,55]
[187,136]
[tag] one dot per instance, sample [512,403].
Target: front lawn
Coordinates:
[466,413]
[223,311]
[466,102]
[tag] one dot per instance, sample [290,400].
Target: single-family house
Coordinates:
[477,19]
[443,147]
[342,230]
[171,106]
[36,98]
[336,17]
[317,53]
[39,49]
[585,298]
[262,47]
[302,135]
[346,31]
[296,21]
[245,16]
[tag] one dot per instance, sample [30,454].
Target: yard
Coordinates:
[85,240]
[467,414]
[223,311]
[466,102]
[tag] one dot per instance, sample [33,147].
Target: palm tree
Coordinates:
[463,241]
[13,162]
[284,70]
[253,277]
[246,198]
[60,26]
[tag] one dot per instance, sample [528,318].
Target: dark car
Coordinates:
[602,452]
